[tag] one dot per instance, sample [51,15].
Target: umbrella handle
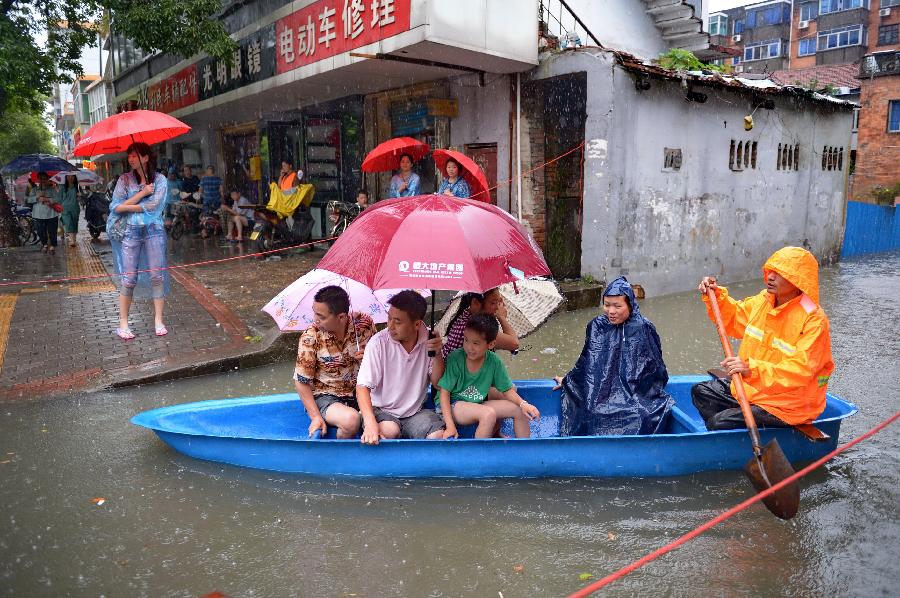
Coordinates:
[431,330]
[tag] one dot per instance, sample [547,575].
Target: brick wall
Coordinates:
[534,201]
[878,152]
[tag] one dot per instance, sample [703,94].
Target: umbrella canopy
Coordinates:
[292,308]
[386,156]
[435,242]
[469,170]
[36,163]
[116,133]
[85,177]
[535,301]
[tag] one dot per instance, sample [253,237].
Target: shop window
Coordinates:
[671,159]
[889,34]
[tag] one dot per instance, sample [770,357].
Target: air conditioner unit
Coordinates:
[735,38]
[739,68]
[884,12]
[803,25]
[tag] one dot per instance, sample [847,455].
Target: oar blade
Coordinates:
[785,502]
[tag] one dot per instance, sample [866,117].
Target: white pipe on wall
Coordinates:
[519,144]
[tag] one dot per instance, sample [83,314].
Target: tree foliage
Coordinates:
[677,59]
[29,68]
[24,132]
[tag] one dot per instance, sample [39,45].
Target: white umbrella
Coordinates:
[85,177]
[536,301]
[292,308]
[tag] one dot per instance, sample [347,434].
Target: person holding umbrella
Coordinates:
[68,197]
[406,182]
[137,235]
[41,197]
[453,184]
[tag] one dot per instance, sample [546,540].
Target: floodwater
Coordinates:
[174,526]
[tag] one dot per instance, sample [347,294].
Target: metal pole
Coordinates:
[519,144]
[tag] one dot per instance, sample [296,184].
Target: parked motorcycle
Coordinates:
[96,211]
[340,215]
[272,231]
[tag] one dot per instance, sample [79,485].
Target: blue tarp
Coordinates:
[618,383]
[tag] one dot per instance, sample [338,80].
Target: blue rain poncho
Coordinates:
[618,383]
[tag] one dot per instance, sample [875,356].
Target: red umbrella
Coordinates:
[386,156]
[116,133]
[435,242]
[470,171]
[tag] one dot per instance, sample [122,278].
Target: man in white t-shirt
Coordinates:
[396,369]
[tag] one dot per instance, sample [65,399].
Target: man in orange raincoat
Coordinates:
[785,355]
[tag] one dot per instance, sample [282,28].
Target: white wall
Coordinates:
[621,25]
[484,118]
[666,229]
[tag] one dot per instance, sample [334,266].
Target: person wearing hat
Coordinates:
[785,355]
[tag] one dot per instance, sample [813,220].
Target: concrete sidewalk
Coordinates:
[56,338]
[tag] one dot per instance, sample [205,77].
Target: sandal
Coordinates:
[161,331]
[125,333]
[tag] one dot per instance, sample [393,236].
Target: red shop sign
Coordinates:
[172,93]
[330,27]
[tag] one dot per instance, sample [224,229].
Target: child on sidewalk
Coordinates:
[469,374]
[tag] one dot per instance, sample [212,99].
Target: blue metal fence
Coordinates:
[870,229]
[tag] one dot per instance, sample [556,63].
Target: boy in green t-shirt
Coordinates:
[469,374]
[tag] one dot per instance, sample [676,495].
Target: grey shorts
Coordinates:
[323,402]
[418,425]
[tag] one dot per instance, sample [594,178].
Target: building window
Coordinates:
[827,6]
[770,15]
[807,47]
[840,37]
[788,157]
[894,116]
[888,34]
[671,159]
[832,158]
[889,3]
[855,120]
[762,51]
[810,10]
[736,60]
[741,155]
[738,26]
[718,25]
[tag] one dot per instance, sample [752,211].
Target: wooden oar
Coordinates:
[768,466]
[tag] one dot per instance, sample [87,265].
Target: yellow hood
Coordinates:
[797,266]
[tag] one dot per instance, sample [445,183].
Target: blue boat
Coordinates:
[270,432]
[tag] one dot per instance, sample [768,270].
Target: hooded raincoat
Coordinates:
[788,347]
[618,383]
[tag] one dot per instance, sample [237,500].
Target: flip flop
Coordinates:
[161,331]
[125,333]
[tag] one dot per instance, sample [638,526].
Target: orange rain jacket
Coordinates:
[788,347]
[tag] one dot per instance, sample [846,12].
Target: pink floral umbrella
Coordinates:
[292,308]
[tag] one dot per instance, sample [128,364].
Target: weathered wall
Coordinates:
[621,24]
[665,229]
[878,153]
[484,117]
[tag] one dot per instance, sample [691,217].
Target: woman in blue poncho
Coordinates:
[138,237]
[618,384]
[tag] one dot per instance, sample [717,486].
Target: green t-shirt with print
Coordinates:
[464,385]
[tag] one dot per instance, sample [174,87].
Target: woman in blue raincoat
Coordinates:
[617,386]
[138,237]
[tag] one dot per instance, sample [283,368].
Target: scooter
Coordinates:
[340,215]
[273,231]
[96,211]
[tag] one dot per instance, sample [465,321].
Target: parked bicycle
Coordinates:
[23,223]
[341,214]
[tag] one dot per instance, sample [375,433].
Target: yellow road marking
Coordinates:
[82,261]
[7,307]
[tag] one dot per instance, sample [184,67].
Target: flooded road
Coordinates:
[174,526]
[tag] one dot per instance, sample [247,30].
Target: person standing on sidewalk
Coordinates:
[68,197]
[137,235]
[46,219]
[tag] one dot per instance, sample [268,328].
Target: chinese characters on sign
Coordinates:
[419,269]
[171,93]
[329,27]
[253,60]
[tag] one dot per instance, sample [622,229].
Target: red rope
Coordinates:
[586,591]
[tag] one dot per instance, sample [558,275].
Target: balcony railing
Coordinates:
[878,65]
[559,25]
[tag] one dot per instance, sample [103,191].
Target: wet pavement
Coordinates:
[174,526]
